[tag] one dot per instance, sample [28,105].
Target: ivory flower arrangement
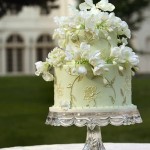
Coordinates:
[88,41]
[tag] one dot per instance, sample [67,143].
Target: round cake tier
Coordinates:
[112,90]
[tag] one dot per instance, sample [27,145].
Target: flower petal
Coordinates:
[84,46]
[105,5]
[89,2]
[48,76]
[82,70]
[84,6]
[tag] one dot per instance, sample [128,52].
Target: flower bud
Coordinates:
[105,81]
[121,68]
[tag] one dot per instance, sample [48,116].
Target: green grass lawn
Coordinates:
[24,103]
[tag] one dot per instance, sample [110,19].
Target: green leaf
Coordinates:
[124,101]
[122,93]
[112,99]
[113,80]
[73,98]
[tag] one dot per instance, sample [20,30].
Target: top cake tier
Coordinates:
[89,24]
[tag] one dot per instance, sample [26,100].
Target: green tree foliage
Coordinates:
[16,5]
[130,11]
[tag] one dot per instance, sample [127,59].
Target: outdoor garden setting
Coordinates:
[24,103]
[96,53]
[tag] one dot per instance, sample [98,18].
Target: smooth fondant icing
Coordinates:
[113,89]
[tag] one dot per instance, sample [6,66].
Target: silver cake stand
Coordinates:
[93,121]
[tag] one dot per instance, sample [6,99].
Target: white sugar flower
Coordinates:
[88,4]
[124,41]
[124,54]
[124,24]
[127,32]
[48,76]
[97,62]
[85,50]
[72,53]
[43,69]
[84,46]
[87,42]
[77,70]
[95,58]
[56,57]
[90,23]
[77,54]
[123,29]
[82,70]
[105,5]
[115,52]
[59,33]
[99,70]
[134,60]
[127,55]
[69,56]
[62,43]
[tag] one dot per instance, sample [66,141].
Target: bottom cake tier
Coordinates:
[110,91]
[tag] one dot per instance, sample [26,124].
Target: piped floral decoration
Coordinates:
[89,40]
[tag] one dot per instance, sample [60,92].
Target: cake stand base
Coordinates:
[93,121]
[94,139]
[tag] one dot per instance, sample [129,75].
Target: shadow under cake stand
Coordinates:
[93,120]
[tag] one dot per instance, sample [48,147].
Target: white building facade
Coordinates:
[27,37]
[141,42]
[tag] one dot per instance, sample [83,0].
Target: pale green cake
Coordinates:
[92,66]
[110,92]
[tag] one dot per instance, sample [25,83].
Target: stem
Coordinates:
[111,86]
[71,95]
[113,90]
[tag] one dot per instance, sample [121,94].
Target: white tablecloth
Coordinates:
[108,146]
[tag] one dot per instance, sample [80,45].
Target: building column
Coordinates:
[64,10]
[29,56]
[0,60]
[26,58]
[33,58]
[3,59]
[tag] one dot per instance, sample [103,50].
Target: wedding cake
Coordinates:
[93,66]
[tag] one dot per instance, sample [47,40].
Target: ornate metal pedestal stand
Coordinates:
[93,121]
[94,139]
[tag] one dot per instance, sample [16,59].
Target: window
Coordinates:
[44,46]
[14,53]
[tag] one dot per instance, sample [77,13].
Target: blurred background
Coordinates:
[26,29]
